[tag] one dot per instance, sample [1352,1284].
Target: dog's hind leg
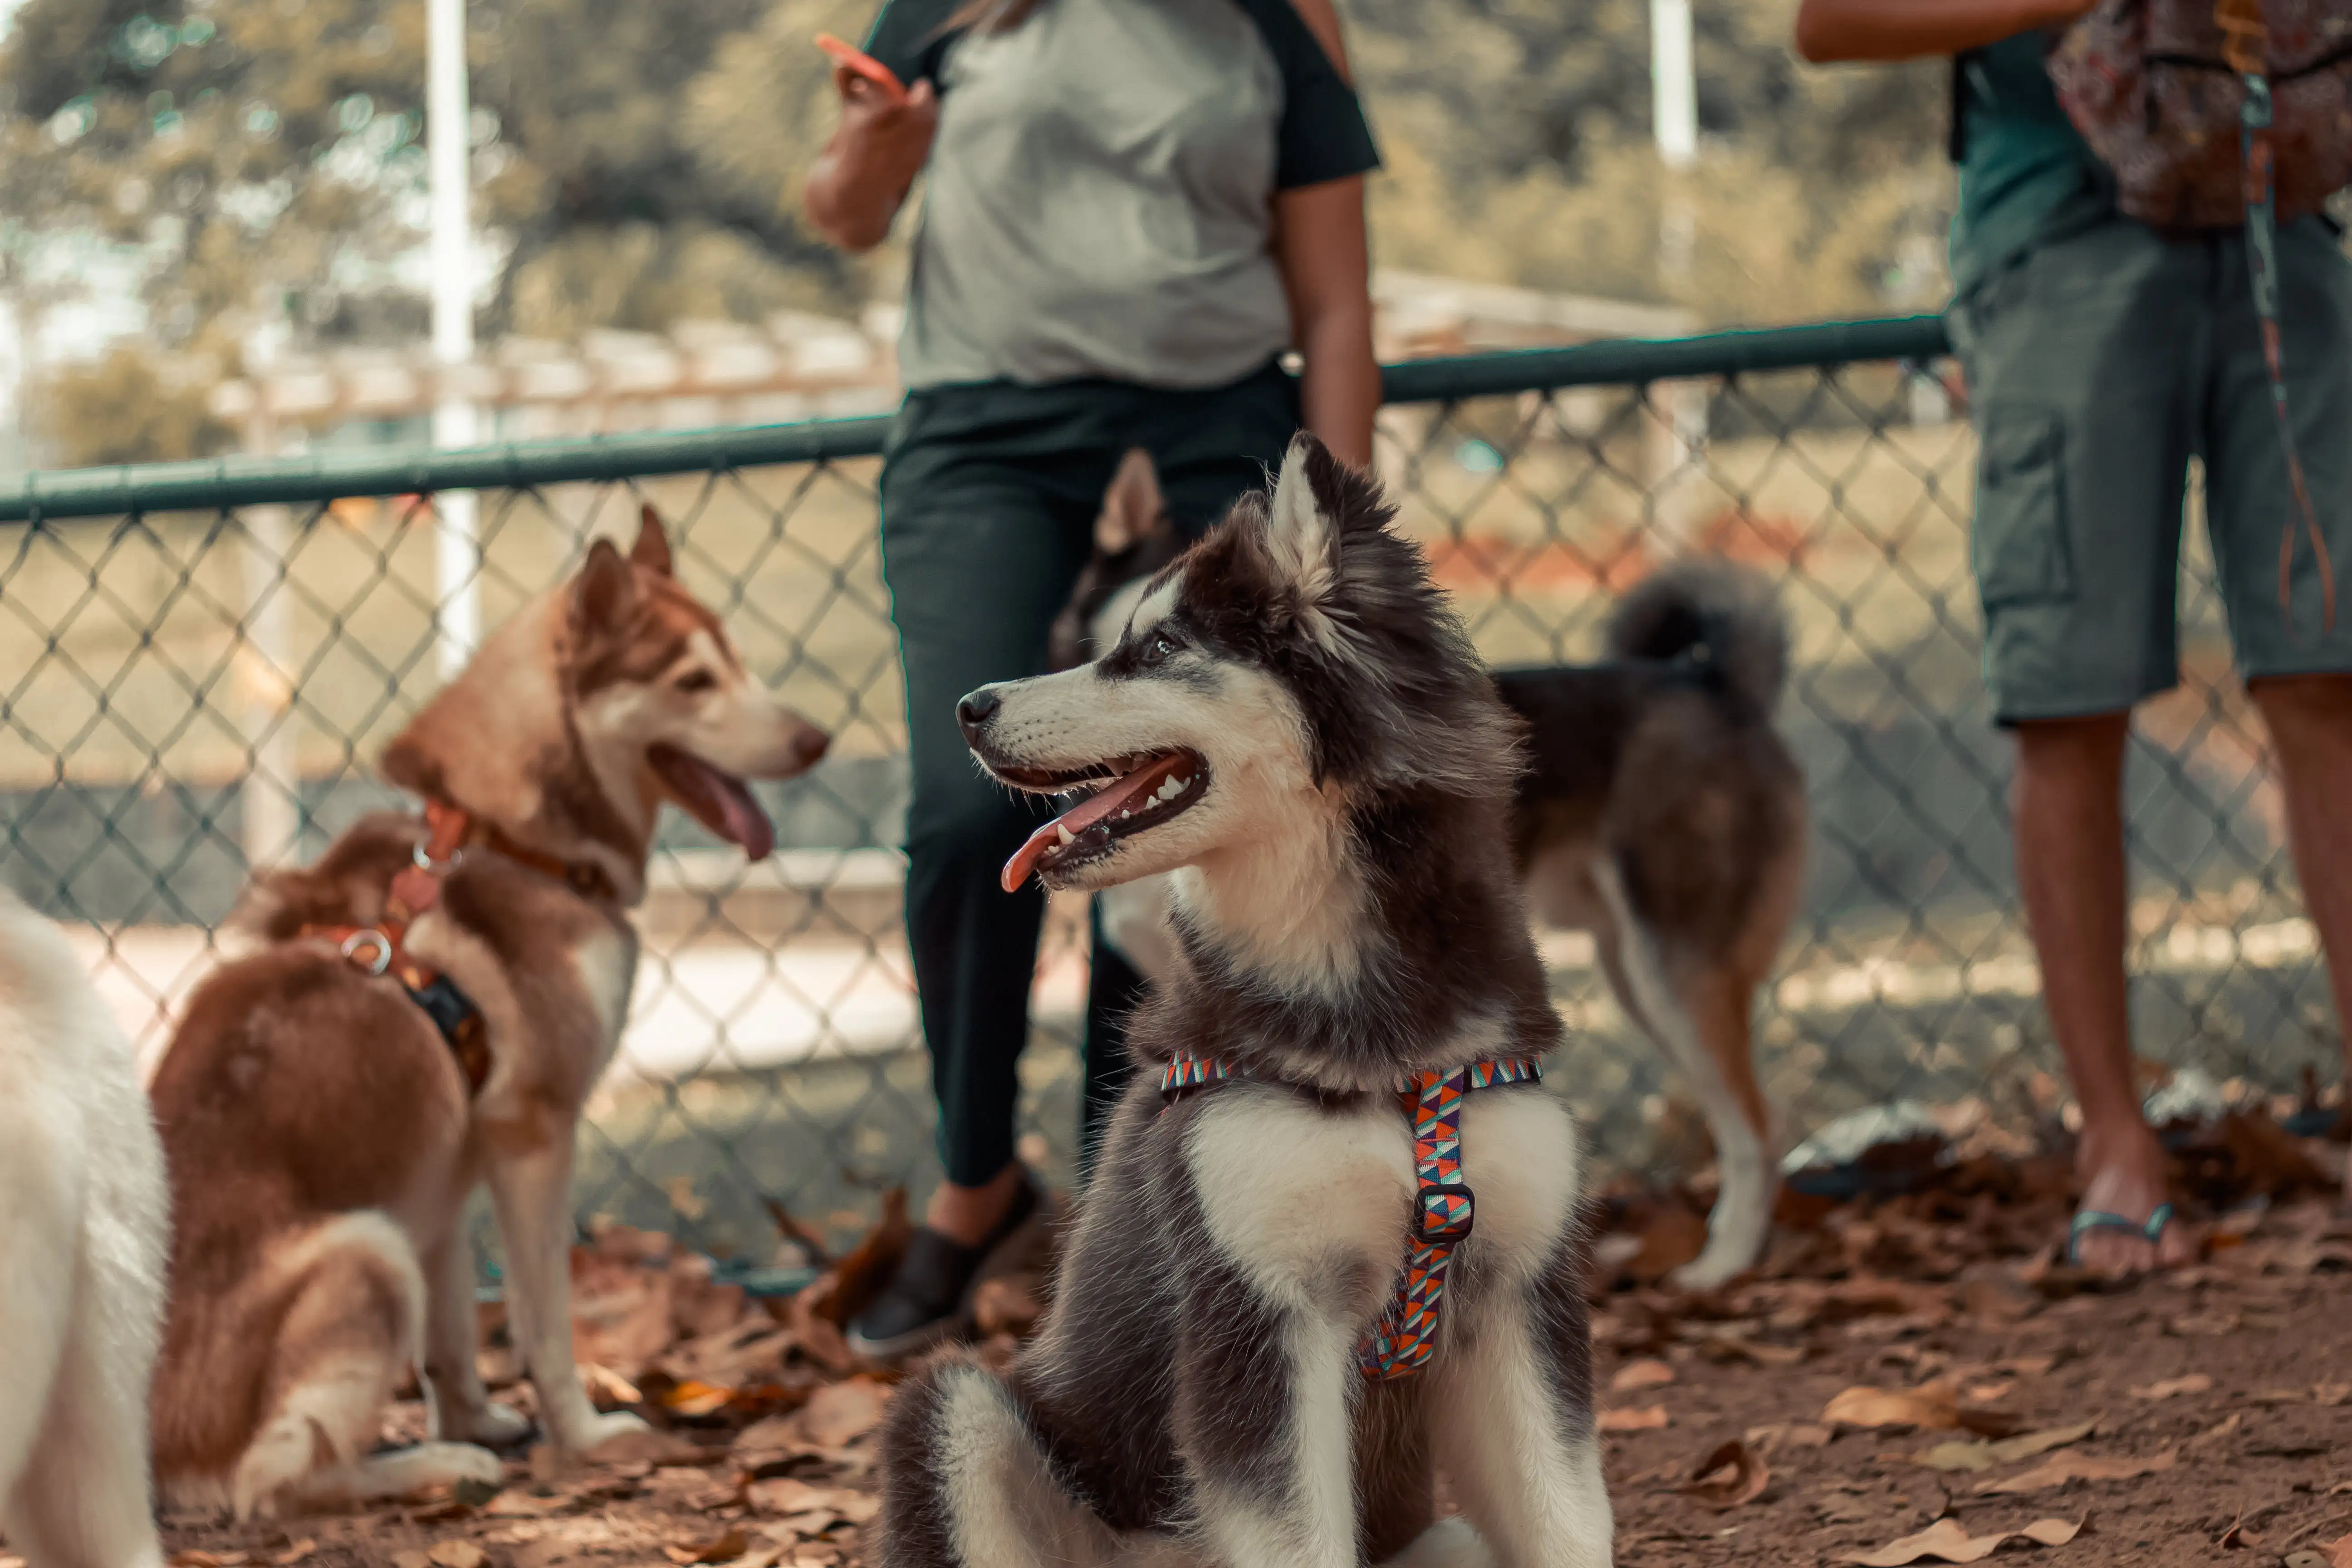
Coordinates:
[39,1238]
[967,1484]
[1511,1413]
[1699,1021]
[399,1471]
[85,1500]
[354,1314]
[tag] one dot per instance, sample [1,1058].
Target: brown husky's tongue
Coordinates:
[1133,789]
[719,801]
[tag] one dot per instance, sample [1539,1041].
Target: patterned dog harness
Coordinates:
[382,948]
[1401,1343]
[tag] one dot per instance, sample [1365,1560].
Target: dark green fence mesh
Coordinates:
[197,664]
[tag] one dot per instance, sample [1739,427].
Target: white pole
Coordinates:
[1674,96]
[1674,99]
[457,554]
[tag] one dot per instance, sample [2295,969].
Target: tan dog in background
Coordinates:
[324,1134]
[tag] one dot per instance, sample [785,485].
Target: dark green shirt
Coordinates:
[2026,173]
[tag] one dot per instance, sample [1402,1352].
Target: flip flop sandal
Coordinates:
[2150,1230]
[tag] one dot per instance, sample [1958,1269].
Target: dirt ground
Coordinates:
[1909,1365]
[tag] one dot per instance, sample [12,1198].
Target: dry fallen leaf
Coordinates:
[2339,1551]
[1962,1453]
[2195,1382]
[1788,1435]
[726,1549]
[1729,1478]
[2214,1434]
[1935,1406]
[1648,1418]
[1945,1541]
[842,1412]
[1648,1372]
[2068,1468]
[294,1552]
[456,1555]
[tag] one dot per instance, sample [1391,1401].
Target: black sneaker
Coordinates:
[929,1297]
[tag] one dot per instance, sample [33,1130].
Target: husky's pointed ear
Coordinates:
[604,588]
[652,548]
[1133,510]
[1301,536]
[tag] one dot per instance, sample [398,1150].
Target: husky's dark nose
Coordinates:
[977,709]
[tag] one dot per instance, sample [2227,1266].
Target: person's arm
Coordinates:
[1318,236]
[1326,261]
[862,177]
[1830,30]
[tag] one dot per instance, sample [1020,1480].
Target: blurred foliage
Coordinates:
[1518,145]
[639,165]
[122,409]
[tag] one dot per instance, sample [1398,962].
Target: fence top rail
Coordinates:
[219,484]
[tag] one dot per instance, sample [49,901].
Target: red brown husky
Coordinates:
[427,1008]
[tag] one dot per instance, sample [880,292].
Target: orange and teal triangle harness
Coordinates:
[1401,1343]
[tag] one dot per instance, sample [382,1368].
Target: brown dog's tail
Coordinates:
[1708,612]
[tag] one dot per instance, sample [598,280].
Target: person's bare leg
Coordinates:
[966,1216]
[2068,809]
[2310,719]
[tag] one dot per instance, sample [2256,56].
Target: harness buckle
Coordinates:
[374,939]
[1446,1211]
[426,864]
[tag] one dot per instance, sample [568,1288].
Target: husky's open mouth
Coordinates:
[1123,795]
[715,799]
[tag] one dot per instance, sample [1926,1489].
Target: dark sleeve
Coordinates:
[911,36]
[1323,135]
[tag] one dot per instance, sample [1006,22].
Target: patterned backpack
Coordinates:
[2159,89]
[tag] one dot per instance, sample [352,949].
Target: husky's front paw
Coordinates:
[607,1436]
[495,1426]
[1711,1270]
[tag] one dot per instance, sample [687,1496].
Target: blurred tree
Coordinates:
[124,409]
[640,163]
[266,156]
[1518,136]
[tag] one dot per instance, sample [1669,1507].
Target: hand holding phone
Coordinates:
[860,63]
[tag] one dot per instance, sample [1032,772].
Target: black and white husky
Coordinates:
[1293,724]
[1659,811]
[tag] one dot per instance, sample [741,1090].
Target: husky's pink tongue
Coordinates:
[719,801]
[1127,791]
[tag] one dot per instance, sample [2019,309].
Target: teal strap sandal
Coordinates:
[2088,1220]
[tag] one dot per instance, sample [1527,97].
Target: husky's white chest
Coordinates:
[1307,1200]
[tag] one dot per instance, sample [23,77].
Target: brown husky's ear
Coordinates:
[604,588]
[652,548]
[1133,510]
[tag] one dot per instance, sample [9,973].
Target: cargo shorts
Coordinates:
[2097,365]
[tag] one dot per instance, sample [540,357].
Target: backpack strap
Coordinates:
[2246,47]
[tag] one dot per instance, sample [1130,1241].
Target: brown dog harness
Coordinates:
[382,948]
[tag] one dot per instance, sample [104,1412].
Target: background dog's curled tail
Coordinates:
[1710,610]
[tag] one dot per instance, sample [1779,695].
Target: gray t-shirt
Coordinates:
[1099,198]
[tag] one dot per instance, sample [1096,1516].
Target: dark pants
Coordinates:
[989,499]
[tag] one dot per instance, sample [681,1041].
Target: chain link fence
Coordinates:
[201,661]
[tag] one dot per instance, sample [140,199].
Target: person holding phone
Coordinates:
[1133,209]
[2100,353]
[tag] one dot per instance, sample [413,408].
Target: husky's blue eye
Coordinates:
[1161,646]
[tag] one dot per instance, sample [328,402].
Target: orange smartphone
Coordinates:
[864,65]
